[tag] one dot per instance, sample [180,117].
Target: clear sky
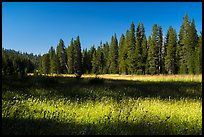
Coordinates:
[34,27]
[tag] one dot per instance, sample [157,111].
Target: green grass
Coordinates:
[64,105]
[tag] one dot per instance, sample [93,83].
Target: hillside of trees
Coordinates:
[133,53]
[18,63]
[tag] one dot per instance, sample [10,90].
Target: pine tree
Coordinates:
[70,57]
[106,58]
[45,63]
[198,56]
[4,62]
[77,57]
[200,53]
[85,61]
[90,58]
[122,55]
[91,53]
[144,48]
[147,65]
[144,54]
[100,58]
[138,50]
[170,58]
[153,52]
[94,63]
[127,43]
[192,39]
[52,58]
[131,49]
[160,45]
[113,55]
[183,45]
[62,56]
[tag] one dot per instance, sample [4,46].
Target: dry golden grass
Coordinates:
[155,78]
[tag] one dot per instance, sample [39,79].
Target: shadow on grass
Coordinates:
[52,127]
[87,88]
[84,89]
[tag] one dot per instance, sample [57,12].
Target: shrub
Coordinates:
[96,80]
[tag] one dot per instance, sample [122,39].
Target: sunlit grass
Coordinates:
[103,109]
[155,78]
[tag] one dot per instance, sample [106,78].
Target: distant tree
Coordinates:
[153,52]
[70,57]
[106,58]
[18,63]
[113,55]
[147,65]
[4,63]
[198,56]
[77,57]
[183,45]
[144,54]
[90,56]
[95,66]
[100,58]
[130,37]
[161,47]
[200,45]
[62,56]
[45,63]
[170,58]
[192,41]
[52,58]
[122,55]
[138,50]
[134,54]
[85,61]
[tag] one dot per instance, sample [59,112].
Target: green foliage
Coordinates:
[53,62]
[85,61]
[106,58]
[60,105]
[122,55]
[15,63]
[144,50]
[184,61]
[153,52]
[77,57]
[170,58]
[130,41]
[45,64]
[138,51]
[70,57]
[192,41]
[92,58]
[62,57]
[95,64]
[113,55]
[134,54]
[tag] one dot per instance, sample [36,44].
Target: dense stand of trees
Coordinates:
[17,63]
[134,53]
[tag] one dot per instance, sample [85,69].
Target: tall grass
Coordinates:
[63,105]
[147,78]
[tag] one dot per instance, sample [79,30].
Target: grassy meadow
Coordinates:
[106,105]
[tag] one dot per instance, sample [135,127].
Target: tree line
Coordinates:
[18,63]
[134,53]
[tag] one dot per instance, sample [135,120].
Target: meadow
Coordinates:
[106,105]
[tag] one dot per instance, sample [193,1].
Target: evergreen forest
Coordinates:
[134,53]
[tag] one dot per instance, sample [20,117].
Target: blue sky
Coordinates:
[34,27]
